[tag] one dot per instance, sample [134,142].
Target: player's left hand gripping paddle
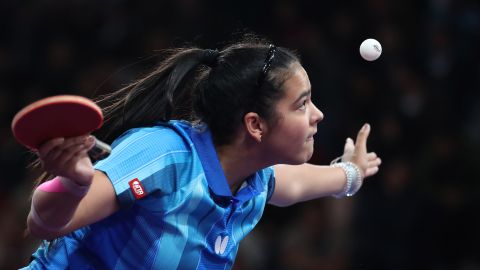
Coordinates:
[59,116]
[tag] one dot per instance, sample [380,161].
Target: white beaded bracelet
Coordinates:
[354,179]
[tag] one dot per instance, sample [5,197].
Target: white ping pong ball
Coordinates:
[370,49]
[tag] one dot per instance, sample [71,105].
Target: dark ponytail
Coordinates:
[162,95]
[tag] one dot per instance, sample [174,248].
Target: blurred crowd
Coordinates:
[422,98]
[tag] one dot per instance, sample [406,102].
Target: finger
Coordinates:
[90,142]
[348,150]
[349,146]
[67,154]
[55,162]
[371,171]
[69,142]
[371,156]
[362,136]
[59,149]
[74,159]
[48,146]
[375,163]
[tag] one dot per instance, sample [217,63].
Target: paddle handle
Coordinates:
[100,150]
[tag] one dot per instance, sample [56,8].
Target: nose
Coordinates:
[317,115]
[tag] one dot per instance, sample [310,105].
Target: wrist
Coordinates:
[82,181]
[61,184]
[354,179]
[74,187]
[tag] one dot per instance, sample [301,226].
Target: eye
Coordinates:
[303,106]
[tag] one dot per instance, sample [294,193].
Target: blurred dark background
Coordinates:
[422,98]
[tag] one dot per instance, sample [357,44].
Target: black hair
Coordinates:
[214,87]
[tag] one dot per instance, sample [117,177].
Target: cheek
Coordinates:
[294,147]
[288,143]
[294,133]
[298,135]
[299,128]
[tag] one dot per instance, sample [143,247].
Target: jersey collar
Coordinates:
[202,140]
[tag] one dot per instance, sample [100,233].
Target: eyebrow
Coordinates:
[305,93]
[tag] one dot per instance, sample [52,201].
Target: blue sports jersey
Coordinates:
[177,210]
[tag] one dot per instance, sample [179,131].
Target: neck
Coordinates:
[239,160]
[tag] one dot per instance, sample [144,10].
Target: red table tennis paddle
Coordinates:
[59,116]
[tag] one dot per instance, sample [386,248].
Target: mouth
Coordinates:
[310,138]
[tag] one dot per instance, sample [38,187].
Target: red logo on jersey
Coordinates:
[137,188]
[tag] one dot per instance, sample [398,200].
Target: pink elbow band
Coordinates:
[62,184]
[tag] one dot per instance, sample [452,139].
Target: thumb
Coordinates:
[362,136]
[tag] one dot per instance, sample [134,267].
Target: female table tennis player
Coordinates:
[200,146]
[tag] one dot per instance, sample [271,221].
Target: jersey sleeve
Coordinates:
[268,176]
[271,184]
[144,162]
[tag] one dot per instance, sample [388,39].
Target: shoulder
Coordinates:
[154,156]
[160,137]
[139,147]
[266,174]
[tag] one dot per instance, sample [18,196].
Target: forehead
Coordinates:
[297,83]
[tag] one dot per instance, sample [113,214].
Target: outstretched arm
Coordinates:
[297,183]
[90,197]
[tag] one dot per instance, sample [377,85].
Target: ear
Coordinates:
[255,126]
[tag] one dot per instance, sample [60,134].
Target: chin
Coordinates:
[305,157]
[308,156]
[294,157]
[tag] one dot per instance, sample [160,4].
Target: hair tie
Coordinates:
[210,57]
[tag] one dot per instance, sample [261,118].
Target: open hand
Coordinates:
[356,152]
